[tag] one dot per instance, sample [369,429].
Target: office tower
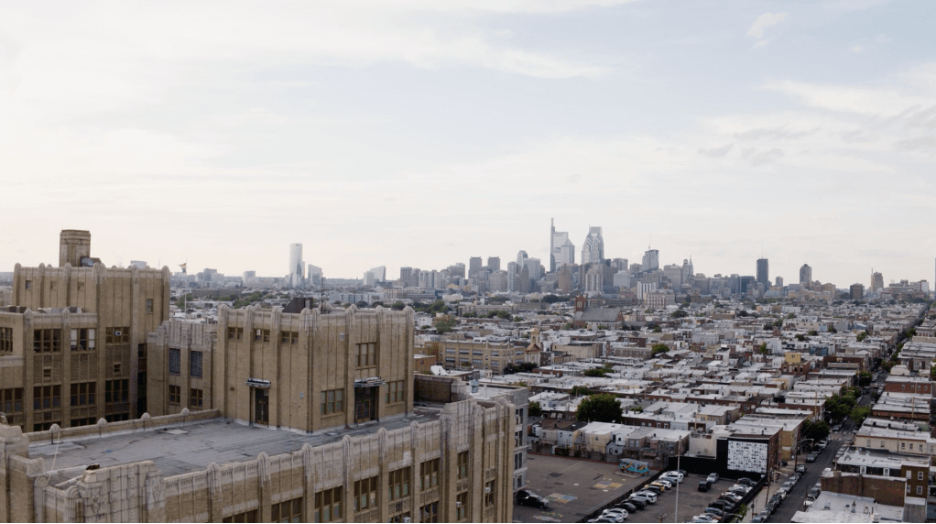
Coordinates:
[561,249]
[651,260]
[594,279]
[405,275]
[688,269]
[857,291]
[295,265]
[493,264]
[474,265]
[877,282]
[805,274]
[593,248]
[314,275]
[619,264]
[779,282]
[374,275]
[512,275]
[763,273]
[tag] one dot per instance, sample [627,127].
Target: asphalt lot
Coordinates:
[691,501]
[575,487]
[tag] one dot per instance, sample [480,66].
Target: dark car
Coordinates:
[744,481]
[526,497]
[655,489]
[639,502]
[720,504]
[715,511]
[629,506]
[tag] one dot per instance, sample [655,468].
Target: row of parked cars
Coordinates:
[641,499]
[722,507]
[778,497]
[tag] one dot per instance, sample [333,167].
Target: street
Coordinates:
[797,496]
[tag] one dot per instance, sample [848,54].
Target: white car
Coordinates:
[712,477]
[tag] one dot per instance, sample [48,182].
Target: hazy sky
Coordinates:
[419,132]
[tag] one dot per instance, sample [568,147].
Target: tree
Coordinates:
[863,335]
[657,329]
[742,313]
[801,337]
[679,313]
[444,324]
[812,333]
[864,378]
[397,306]
[534,409]
[551,299]
[762,349]
[658,348]
[603,407]
[579,390]
[859,414]
[815,430]
[594,372]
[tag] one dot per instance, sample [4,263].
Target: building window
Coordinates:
[495,353]
[495,363]
[6,340]
[262,335]
[461,506]
[47,397]
[463,465]
[195,364]
[82,339]
[289,511]
[366,355]
[489,493]
[11,400]
[29,284]
[919,490]
[47,340]
[398,484]
[149,305]
[235,333]
[195,398]
[117,368]
[450,351]
[332,401]
[430,512]
[477,362]
[463,352]
[117,391]
[175,395]
[477,352]
[919,475]
[403,517]
[394,392]
[88,421]
[289,337]
[117,335]
[83,394]
[328,505]
[247,516]
[429,474]
[175,361]
[518,461]
[365,494]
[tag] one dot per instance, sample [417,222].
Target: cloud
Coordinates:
[763,22]
[864,100]
[857,48]
[716,152]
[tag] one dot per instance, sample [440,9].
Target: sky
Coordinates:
[420,133]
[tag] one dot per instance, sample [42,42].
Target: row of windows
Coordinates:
[81,339]
[195,363]
[366,355]
[11,400]
[196,397]
[47,340]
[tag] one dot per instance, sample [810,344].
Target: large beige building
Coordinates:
[73,342]
[265,416]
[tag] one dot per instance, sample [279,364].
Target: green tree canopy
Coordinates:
[864,378]
[603,407]
[397,306]
[658,348]
[595,372]
[859,414]
[444,324]
[534,409]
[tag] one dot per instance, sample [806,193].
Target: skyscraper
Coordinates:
[877,282]
[296,265]
[651,260]
[593,248]
[521,257]
[493,264]
[805,274]
[763,273]
[561,249]
[474,265]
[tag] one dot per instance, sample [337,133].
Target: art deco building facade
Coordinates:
[73,344]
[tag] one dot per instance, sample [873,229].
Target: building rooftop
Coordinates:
[179,449]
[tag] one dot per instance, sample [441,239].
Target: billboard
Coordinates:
[750,456]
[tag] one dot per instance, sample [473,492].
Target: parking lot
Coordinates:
[691,501]
[574,488]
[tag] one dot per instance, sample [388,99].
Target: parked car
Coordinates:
[639,502]
[801,469]
[631,508]
[772,506]
[618,514]
[761,517]
[720,504]
[795,478]
[782,493]
[744,481]
[836,428]
[653,489]
[704,485]
[811,457]
[526,497]
[712,477]
[673,475]
[715,511]
[647,496]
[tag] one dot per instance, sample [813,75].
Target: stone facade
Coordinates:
[73,342]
